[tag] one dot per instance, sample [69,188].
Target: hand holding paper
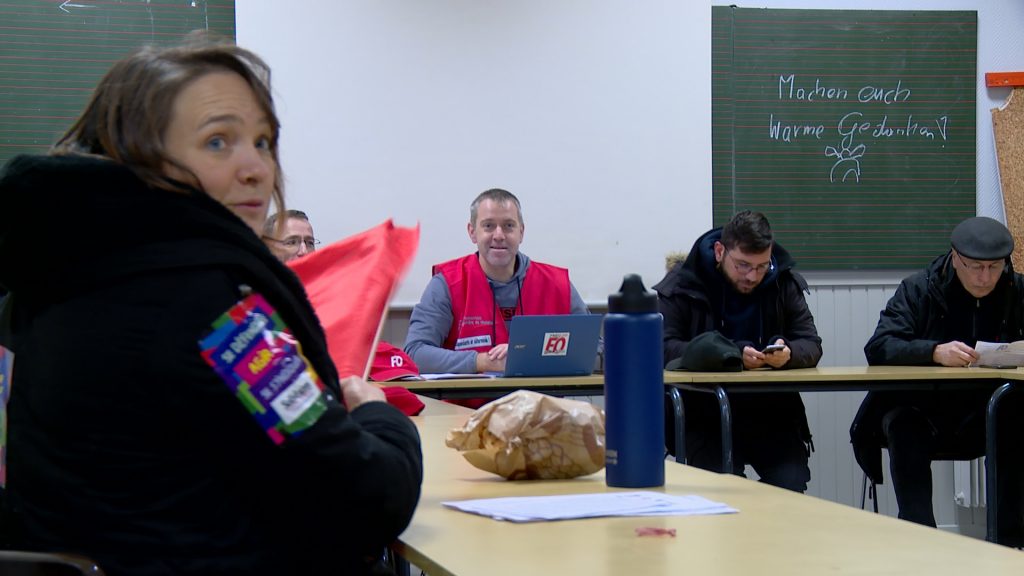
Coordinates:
[998,355]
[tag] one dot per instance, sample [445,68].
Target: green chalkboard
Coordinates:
[52,54]
[853,131]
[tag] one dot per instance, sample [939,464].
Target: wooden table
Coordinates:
[852,378]
[776,532]
[484,387]
[435,407]
[495,387]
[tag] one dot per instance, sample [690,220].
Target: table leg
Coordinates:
[725,414]
[991,465]
[396,563]
[679,421]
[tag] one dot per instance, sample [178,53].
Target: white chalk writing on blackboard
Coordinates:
[854,129]
[69,4]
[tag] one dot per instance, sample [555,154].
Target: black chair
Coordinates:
[868,488]
[675,425]
[16,563]
[993,421]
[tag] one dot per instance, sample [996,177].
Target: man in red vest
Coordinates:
[461,323]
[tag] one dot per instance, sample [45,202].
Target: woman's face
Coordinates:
[219,131]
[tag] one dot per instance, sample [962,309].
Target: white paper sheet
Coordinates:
[567,507]
[1000,354]
[450,376]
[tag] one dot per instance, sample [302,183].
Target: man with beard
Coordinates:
[738,282]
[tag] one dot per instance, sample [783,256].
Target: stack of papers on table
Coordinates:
[452,376]
[1000,355]
[567,507]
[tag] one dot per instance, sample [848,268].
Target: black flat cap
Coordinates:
[982,238]
[709,352]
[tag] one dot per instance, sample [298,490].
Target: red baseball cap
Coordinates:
[391,363]
[401,398]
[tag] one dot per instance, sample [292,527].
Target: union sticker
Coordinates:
[254,353]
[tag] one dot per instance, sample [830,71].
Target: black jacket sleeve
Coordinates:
[373,454]
[899,337]
[678,330]
[353,478]
[799,331]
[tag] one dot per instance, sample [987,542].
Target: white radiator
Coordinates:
[969,483]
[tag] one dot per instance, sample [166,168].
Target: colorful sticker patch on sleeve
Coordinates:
[6,373]
[253,351]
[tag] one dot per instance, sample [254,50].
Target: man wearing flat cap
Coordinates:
[936,317]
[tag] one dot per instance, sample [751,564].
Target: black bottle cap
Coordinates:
[632,298]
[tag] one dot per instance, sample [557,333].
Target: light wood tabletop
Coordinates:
[435,407]
[847,378]
[855,377]
[493,387]
[850,374]
[776,532]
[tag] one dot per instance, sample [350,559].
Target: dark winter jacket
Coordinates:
[929,308]
[124,445]
[686,300]
[691,297]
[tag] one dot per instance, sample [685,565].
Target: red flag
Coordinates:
[349,284]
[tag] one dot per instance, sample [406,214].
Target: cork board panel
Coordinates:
[1007,126]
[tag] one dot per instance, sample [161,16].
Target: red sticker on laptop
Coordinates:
[256,356]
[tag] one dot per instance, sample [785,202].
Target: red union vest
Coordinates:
[545,290]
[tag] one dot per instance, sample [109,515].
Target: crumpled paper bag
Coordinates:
[527,435]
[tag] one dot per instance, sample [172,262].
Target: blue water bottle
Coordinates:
[634,388]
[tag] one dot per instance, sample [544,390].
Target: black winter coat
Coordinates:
[685,301]
[124,445]
[920,316]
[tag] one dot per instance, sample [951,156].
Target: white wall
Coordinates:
[596,113]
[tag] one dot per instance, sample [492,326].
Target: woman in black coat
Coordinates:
[174,409]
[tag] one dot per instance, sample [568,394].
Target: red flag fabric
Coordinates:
[401,398]
[349,284]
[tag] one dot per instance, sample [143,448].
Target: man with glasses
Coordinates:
[936,317]
[293,239]
[739,282]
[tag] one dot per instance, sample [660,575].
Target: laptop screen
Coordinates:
[554,345]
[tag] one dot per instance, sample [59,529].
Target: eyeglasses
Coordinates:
[293,242]
[745,268]
[975,267]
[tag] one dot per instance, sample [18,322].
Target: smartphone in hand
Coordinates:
[773,348]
